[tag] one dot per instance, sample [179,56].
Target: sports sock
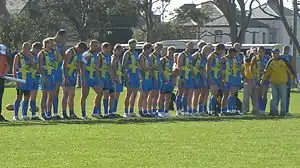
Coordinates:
[100,108]
[190,110]
[154,110]
[96,110]
[105,104]
[16,107]
[55,104]
[126,110]
[184,104]
[72,112]
[83,113]
[212,104]
[131,110]
[204,108]
[166,110]
[64,112]
[24,107]
[194,110]
[145,111]
[178,102]
[201,108]
[115,105]
[33,107]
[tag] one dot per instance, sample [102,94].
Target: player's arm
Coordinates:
[40,64]
[163,66]
[110,71]
[16,65]
[114,68]
[125,63]
[67,59]
[179,61]
[208,64]
[99,61]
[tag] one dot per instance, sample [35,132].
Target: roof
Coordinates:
[222,22]
[15,6]
[269,8]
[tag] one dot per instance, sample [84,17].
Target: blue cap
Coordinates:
[3,49]
[276,50]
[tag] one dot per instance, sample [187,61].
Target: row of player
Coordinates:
[151,74]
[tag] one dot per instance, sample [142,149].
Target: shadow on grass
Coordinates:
[145,120]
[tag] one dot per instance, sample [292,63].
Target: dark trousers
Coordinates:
[1,93]
[288,97]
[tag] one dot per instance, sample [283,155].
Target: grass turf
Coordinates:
[177,142]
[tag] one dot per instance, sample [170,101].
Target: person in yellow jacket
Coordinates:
[249,86]
[277,72]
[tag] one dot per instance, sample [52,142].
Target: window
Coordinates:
[264,38]
[218,36]
[273,36]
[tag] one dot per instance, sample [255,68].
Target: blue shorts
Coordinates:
[119,87]
[107,84]
[235,81]
[35,85]
[216,82]
[58,76]
[156,85]
[134,81]
[146,85]
[92,82]
[71,82]
[49,85]
[187,83]
[198,82]
[167,87]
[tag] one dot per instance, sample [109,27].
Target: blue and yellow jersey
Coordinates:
[49,63]
[232,68]
[187,66]
[216,66]
[167,66]
[105,65]
[24,68]
[91,62]
[118,70]
[146,75]
[261,65]
[34,67]
[199,65]
[133,64]
[156,62]
[59,52]
[72,65]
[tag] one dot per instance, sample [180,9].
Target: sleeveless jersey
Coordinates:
[146,75]
[232,68]
[133,65]
[104,66]
[168,68]
[199,66]
[49,62]
[216,66]
[24,67]
[90,66]
[186,66]
[261,65]
[72,66]
[156,61]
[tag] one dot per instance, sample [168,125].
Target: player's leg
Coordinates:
[265,97]
[64,102]
[154,95]
[179,100]
[213,99]
[17,104]
[33,95]
[71,97]
[25,104]
[55,101]
[161,100]
[126,100]
[105,101]
[202,102]
[232,99]
[132,101]
[141,99]
[196,94]
[85,90]
[97,103]
[111,97]
[167,97]
[224,101]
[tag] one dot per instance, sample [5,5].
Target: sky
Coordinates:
[177,3]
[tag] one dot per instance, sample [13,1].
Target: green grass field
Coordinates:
[176,142]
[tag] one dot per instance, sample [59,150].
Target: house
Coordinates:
[263,28]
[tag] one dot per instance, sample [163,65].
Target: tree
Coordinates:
[282,17]
[92,18]
[189,12]
[238,24]
[145,9]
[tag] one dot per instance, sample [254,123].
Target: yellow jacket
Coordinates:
[248,72]
[277,71]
